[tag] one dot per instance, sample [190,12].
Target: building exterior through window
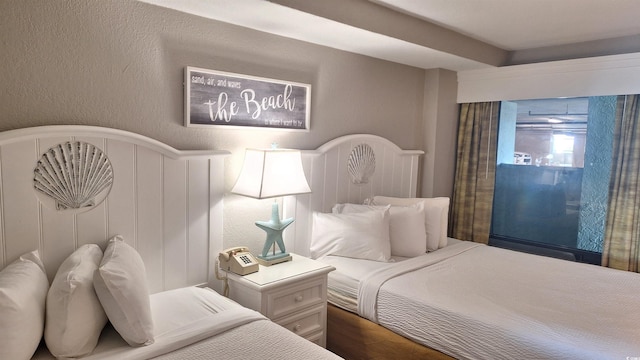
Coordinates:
[552,176]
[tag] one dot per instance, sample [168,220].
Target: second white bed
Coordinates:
[474,301]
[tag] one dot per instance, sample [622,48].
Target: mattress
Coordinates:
[198,323]
[476,301]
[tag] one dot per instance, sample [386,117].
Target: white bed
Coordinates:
[166,207]
[465,300]
[198,323]
[469,300]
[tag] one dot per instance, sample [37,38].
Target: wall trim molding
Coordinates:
[597,76]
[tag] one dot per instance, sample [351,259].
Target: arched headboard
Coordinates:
[350,169]
[166,203]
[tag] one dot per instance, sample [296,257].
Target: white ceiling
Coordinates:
[451,34]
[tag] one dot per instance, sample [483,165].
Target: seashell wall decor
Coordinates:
[73,174]
[361,164]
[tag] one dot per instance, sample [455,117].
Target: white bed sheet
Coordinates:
[551,308]
[343,283]
[199,323]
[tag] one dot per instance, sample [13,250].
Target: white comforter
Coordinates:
[198,323]
[181,317]
[480,302]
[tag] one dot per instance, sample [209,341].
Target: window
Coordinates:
[554,158]
[562,154]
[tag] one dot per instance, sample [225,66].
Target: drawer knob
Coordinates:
[296,328]
[298,298]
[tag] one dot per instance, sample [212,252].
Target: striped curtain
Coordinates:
[622,233]
[472,201]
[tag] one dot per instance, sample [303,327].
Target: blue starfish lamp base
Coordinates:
[274,228]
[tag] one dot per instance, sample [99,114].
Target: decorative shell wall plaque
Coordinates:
[75,174]
[362,164]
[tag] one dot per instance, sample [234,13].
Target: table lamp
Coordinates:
[268,173]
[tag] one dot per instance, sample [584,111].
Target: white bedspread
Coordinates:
[369,286]
[198,323]
[258,340]
[480,302]
[181,317]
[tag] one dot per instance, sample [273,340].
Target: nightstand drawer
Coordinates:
[306,322]
[296,297]
[292,294]
[316,338]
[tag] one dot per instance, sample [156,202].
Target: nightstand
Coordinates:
[292,294]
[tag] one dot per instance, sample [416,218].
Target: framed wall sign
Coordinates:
[216,98]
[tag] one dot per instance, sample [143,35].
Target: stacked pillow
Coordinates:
[121,285]
[407,233]
[436,211]
[75,317]
[413,225]
[362,235]
[88,288]
[23,292]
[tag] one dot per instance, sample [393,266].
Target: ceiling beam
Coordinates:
[364,14]
[612,46]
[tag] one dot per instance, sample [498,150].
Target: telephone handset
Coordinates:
[238,260]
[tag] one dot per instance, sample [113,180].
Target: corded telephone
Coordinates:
[238,260]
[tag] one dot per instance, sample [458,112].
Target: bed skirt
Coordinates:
[355,338]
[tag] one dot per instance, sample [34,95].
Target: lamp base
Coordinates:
[273,259]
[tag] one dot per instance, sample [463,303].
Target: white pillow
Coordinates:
[75,317]
[121,285]
[23,292]
[362,235]
[406,226]
[436,211]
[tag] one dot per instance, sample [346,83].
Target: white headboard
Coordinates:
[166,203]
[333,171]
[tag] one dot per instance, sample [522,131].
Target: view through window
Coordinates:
[554,159]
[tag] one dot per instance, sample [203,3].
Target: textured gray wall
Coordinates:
[120,63]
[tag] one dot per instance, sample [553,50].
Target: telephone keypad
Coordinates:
[245,259]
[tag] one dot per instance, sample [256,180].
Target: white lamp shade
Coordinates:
[271,172]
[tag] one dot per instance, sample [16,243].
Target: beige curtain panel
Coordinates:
[622,233]
[475,172]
